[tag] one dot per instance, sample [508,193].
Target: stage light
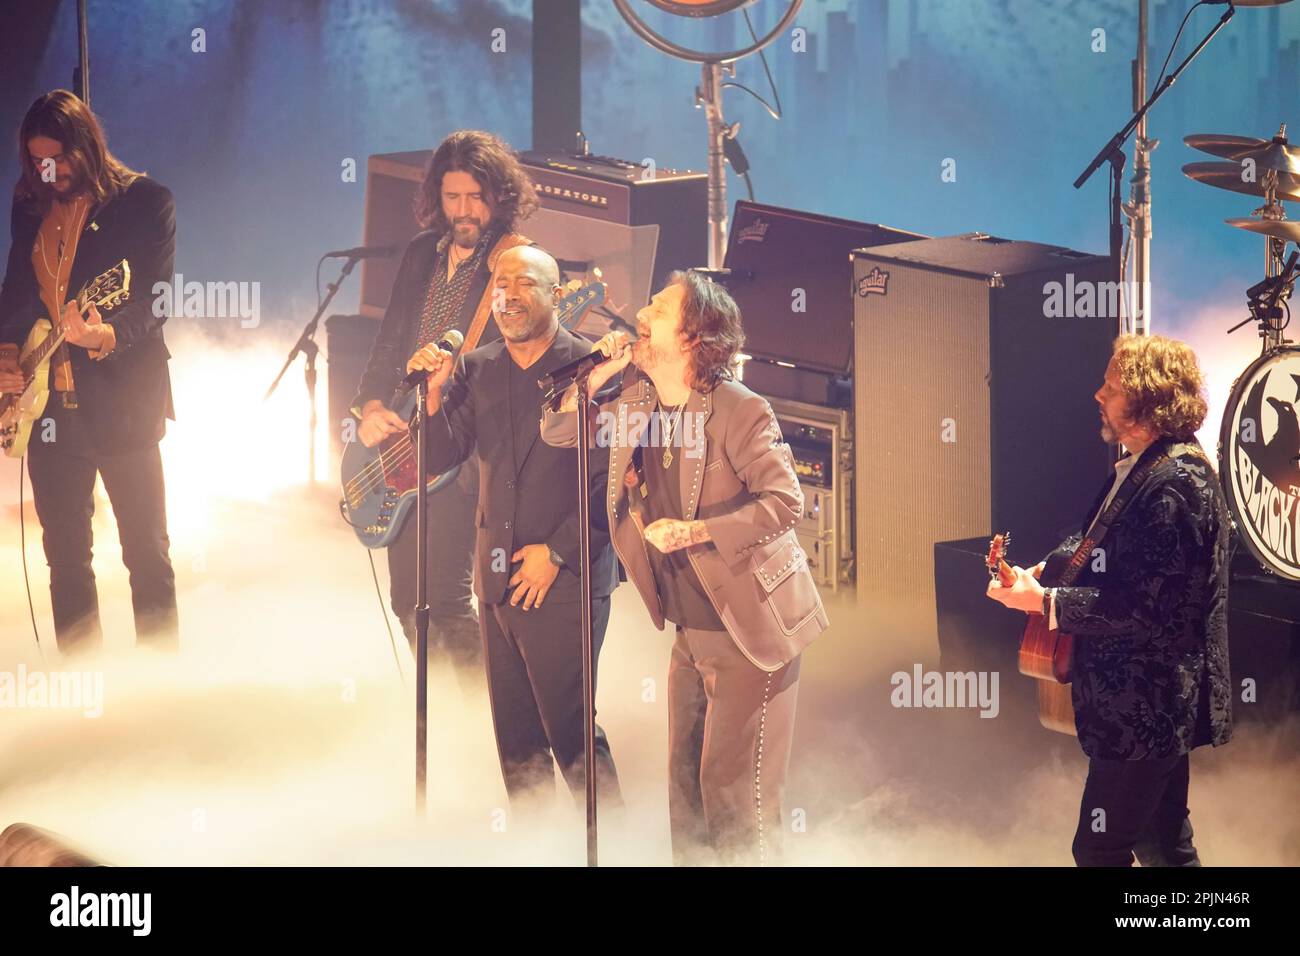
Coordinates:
[699,8]
[25,845]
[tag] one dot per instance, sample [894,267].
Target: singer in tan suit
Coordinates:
[702,500]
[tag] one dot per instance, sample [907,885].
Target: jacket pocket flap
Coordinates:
[788,559]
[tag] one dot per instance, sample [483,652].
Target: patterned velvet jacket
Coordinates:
[1149,615]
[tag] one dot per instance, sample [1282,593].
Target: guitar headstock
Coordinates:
[576,303]
[107,290]
[996,562]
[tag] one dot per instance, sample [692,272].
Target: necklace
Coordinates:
[73,216]
[456,257]
[672,430]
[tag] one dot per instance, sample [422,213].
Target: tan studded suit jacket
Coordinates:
[737,476]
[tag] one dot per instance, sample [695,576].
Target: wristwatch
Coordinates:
[555,557]
[1047,601]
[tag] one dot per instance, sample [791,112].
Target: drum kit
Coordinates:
[1259,440]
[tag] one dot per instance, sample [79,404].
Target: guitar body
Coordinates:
[19,412]
[1046,654]
[379,484]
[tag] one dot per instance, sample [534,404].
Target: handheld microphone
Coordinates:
[362,252]
[567,372]
[451,340]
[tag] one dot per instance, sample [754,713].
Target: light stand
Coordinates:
[709,96]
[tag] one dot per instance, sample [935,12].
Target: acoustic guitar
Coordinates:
[1045,652]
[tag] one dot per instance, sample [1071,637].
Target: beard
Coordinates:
[467,233]
[524,328]
[646,356]
[65,187]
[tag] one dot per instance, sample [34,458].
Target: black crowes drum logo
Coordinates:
[1263,462]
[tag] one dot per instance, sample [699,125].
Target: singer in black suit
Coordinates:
[526,555]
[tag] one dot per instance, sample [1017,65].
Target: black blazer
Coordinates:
[475,416]
[127,395]
[395,342]
[1150,619]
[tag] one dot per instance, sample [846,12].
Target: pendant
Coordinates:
[668,458]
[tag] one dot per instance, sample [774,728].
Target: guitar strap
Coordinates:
[479,322]
[1097,533]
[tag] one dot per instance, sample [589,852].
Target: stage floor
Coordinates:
[282,734]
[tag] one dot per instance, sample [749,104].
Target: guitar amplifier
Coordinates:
[628,194]
[584,199]
[973,402]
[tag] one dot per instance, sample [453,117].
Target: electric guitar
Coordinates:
[19,412]
[379,483]
[1045,653]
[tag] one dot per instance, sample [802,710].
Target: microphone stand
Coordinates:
[1111,151]
[588,656]
[552,400]
[306,344]
[421,596]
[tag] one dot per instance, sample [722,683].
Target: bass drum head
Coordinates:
[1259,460]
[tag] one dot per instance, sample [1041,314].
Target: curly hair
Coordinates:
[64,118]
[1163,383]
[711,321]
[494,166]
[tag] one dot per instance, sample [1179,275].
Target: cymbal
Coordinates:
[1277,228]
[1228,176]
[1275,153]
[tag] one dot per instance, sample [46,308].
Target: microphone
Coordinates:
[451,340]
[567,372]
[362,252]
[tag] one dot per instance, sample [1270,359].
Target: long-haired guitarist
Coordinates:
[702,503]
[1147,612]
[474,194]
[78,210]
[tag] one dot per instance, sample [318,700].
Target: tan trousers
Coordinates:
[729,730]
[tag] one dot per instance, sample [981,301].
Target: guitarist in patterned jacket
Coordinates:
[1148,613]
[77,212]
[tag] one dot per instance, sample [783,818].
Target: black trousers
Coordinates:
[453,625]
[534,669]
[63,464]
[1135,806]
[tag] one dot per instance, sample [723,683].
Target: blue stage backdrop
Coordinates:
[252,133]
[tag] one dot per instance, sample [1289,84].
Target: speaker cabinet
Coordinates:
[973,403]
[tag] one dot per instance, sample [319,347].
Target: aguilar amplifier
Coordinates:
[976,360]
[636,226]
